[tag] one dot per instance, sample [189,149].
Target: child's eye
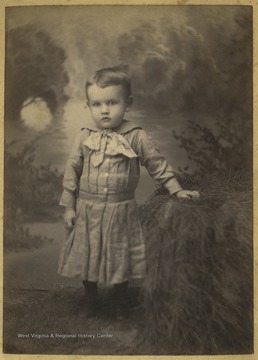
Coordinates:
[112,102]
[95,104]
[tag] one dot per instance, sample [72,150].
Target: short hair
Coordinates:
[109,77]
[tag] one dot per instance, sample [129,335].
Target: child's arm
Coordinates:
[69,217]
[187,194]
[71,179]
[159,169]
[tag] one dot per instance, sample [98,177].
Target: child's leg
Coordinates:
[91,292]
[121,300]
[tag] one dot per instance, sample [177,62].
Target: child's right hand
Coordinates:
[69,217]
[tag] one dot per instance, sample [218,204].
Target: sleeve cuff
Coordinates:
[173,186]
[67,199]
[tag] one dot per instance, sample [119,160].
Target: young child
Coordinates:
[106,244]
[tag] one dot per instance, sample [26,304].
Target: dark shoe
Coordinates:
[121,301]
[91,293]
[122,312]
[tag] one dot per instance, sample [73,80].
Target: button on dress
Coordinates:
[107,242]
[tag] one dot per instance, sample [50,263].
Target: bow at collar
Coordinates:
[107,142]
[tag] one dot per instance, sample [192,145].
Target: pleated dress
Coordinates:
[107,243]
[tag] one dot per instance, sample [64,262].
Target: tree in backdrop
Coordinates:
[200,63]
[227,145]
[31,192]
[34,69]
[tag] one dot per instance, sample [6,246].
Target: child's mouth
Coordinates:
[106,118]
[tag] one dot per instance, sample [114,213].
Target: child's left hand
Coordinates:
[187,194]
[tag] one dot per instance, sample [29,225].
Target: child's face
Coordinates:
[107,105]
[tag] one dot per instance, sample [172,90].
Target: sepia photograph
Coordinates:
[128,180]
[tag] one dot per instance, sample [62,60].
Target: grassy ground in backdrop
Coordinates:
[62,311]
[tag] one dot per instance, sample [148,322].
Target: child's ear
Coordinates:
[129,103]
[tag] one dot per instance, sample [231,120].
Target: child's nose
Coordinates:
[105,109]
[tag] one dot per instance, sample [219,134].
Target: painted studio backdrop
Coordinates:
[191,70]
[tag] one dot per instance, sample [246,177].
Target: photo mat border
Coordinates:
[11,3]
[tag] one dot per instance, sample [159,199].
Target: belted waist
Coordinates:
[112,198]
